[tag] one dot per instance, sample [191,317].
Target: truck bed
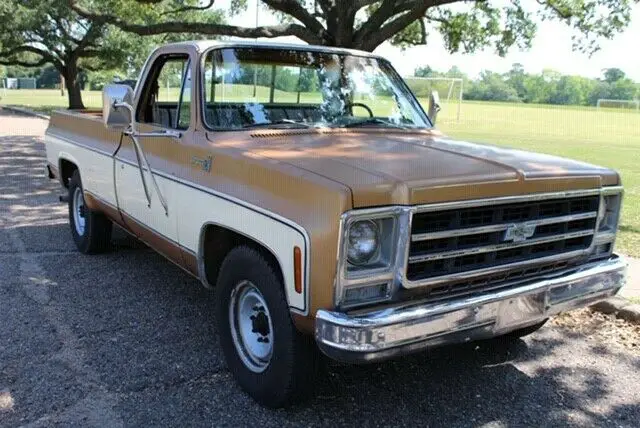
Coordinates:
[79,138]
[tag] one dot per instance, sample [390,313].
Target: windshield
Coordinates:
[258,87]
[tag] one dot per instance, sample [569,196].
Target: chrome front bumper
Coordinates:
[396,331]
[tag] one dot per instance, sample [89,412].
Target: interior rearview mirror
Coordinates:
[117,101]
[434,106]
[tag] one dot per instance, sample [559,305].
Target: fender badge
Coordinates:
[202,163]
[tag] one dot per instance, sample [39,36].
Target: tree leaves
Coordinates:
[465,26]
[591,20]
[36,32]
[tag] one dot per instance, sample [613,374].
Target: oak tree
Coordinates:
[38,32]
[465,25]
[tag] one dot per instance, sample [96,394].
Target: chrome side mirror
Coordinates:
[434,106]
[117,110]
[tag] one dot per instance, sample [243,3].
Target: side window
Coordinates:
[184,112]
[166,98]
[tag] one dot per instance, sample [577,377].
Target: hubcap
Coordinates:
[251,326]
[78,211]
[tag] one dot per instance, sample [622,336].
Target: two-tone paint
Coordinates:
[285,188]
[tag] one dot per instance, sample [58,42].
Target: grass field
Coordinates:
[605,137]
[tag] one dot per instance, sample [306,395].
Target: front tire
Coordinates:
[273,362]
[91,230]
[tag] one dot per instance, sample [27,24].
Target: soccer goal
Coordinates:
[450,90]
[621,104]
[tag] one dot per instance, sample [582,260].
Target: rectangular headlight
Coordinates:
[610,213]
[608,217]
[371,248]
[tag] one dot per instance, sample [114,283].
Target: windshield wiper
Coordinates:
[277,122]
[373,121]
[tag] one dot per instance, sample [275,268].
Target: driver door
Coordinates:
[164,106]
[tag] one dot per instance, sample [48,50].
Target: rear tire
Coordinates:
[91,230]
[269,358]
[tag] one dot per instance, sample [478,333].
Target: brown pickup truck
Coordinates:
[308,187]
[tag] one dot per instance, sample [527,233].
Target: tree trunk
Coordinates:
[340,23]
[72,81]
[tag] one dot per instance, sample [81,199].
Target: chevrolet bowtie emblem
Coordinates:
[519,232]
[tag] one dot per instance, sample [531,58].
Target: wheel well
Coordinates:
[66,171]
[218,241]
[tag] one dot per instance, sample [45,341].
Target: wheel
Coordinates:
[91,230]
[273,362]
[525,331]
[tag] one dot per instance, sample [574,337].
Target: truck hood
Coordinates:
[398,167]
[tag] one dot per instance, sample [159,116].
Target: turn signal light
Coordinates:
[297,269]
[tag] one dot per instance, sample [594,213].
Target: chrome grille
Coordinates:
[492,282]
[457,244]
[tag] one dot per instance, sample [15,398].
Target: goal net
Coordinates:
[450,90]
[619,104]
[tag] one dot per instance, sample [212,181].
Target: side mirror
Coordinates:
[434,106]
[117,110]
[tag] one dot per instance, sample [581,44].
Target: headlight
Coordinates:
[608,216]
[610,213]
[364,242]
[368,255]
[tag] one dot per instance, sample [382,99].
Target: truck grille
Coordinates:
[467,248]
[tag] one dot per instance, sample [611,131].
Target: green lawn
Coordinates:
[46,99]
[607,138]
[610,138]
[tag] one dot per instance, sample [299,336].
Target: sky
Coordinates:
[551,49]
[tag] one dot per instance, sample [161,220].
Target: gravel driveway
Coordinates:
[127,339]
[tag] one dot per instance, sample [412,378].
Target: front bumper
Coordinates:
[396,331]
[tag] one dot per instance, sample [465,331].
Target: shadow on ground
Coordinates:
[147,329]
[22,167]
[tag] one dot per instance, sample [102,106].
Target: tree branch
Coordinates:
[359,4]
[23,63]
[199,27]
[418,10]
[7,57]
[189,8]
[325,5]
[296,10]
[423,32]
[30,49]
[60,26]
[387,9]
[89,37]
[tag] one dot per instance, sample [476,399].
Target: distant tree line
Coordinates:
[47,77]
[547,87]
[289,79]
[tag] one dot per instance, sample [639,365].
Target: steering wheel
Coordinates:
[364,106]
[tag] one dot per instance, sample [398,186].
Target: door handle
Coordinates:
[168,133]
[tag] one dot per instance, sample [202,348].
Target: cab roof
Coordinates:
[202,45]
